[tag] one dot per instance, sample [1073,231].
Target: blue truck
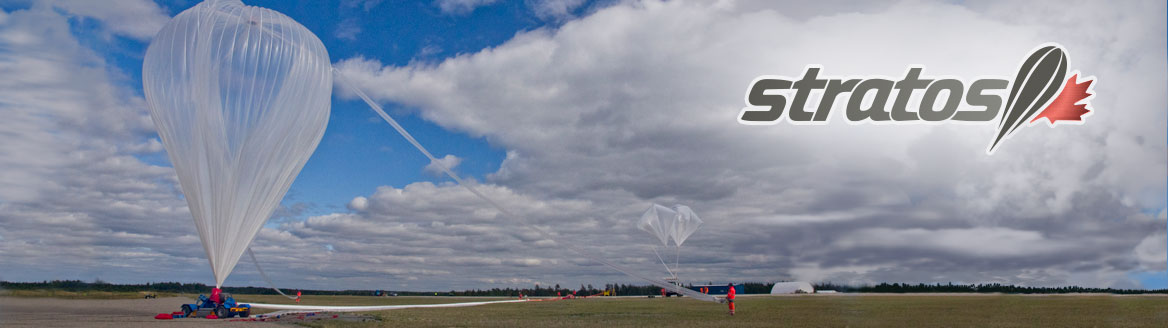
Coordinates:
[228,308]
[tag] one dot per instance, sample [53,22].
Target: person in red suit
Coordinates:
[730,297]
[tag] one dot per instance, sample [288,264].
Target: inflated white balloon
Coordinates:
[240,96]
[658,221]
[687,223]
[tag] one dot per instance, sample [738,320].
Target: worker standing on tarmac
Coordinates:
[298,296]
[730,297]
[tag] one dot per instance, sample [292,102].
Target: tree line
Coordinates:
[978,288]
[583,290]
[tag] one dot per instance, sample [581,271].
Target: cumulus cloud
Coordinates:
[637,102]
[75,201]
[449,162]
[440,231]
[977,242]
[139,19]
[1152,253]
[359,203]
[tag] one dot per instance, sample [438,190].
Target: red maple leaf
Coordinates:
[1064,107]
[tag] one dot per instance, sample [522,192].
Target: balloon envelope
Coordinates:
[687,223]
[240,97]
[658,220]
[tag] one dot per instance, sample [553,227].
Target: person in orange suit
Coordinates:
[730,297]
[298,296]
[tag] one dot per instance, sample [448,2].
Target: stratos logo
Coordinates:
[1042,89]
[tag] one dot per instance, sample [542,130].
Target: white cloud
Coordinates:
[139,19]
[448,161]
[441,231]
[71,188]
[554,9]
[460,7]
[1152,252]
[62,108]
[359,203]
[637,102]
[977,242]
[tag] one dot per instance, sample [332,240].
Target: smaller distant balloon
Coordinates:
[658,220]
[687,223]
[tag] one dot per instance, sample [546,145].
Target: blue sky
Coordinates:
[581,113]
[360,152]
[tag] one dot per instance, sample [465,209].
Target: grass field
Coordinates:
[840,310]
[766,311]
[81,295]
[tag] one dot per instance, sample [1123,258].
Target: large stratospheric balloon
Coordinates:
[240,96]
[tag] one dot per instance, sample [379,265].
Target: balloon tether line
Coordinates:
[654,248]
[264,275]
[402,131]
[677,258]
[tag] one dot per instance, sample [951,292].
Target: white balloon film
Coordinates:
[658,220]
[240,96]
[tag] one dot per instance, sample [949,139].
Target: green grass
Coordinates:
[354,300]
[793,311]
[844,310]
[79,295]
[359,300]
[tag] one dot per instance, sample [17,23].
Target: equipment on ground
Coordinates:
[667,293]
[226,308]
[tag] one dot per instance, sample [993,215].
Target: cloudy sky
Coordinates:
[579,114]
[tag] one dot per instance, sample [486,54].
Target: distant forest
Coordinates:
[584,290]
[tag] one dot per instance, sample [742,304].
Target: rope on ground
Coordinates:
[289,308]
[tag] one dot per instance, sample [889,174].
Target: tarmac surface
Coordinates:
[55,312]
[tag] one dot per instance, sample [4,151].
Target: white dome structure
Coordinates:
[793,287]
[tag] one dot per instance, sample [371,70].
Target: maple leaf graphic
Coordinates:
[1065,107]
